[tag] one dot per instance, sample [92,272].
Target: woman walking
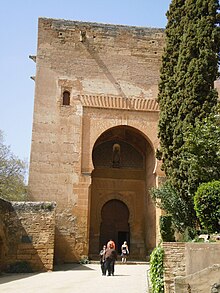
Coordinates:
[124,252]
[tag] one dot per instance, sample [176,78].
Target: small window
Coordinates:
[26,239]
[66,98]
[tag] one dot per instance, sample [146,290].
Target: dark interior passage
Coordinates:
[114,224]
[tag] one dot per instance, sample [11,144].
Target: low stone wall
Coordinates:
[174,263]
[204,281]
[186,261]
[27,233]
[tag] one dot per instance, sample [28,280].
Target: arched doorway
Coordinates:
[114,223]
[120,205]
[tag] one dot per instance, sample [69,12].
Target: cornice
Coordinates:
[116,102]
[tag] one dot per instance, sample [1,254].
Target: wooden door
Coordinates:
[114,223]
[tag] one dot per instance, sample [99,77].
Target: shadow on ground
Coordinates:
[5,278]
[72,267]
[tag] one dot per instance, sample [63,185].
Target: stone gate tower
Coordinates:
[95,134]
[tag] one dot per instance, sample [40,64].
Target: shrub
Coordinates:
[84,260]
[166,229]
[156,270]
[207,205]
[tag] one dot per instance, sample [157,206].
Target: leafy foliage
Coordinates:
[200,155]
[186,88]
[12,174]
[166,229]
[207,205]
[156,270]
[168,199]
[84,260]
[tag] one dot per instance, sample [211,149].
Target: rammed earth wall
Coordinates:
[27,234]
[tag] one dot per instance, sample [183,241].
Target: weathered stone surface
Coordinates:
[111,73]
[204,281]
[27,234]
[191,266]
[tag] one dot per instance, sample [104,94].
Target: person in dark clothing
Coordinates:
[124,252]
[110,258]
[102,260]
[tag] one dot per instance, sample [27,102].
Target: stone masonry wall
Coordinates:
[111,71]
[204,281]
[29,230]
[4,212]
[187,262]
[174,263]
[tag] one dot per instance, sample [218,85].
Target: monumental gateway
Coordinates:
[94,134]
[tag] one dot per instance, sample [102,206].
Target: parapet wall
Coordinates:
[184,265]
[27,232]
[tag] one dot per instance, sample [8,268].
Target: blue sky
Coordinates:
[18,31]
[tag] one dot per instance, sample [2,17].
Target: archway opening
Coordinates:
[121,147]
[114,223]
[120,206]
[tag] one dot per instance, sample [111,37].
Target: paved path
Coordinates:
[76,278]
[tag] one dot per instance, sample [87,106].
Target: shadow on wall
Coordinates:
[4,207]
[26,236]
[67,249]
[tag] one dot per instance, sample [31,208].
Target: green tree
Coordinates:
[201,153]
[186,89]
[167,86]
[207,205]
[12,174]
[168,199]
